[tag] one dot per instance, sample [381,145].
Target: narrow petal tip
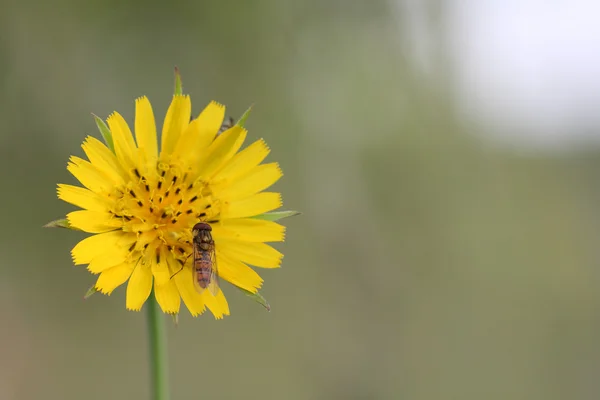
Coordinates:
[90,292]
[178,85]
[60,223]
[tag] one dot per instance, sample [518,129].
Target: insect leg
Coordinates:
[181,269]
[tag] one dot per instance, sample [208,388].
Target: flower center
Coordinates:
[161,208]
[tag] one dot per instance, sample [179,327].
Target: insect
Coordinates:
[204,269]
[228,123]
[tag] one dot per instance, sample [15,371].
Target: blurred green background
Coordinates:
[429,263]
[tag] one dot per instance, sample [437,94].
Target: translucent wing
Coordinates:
[213,285]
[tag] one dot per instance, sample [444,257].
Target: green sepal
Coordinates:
[242,121]
[60,223]
[277,215]
[90,292]
[257,297]
[178,86]
[105,132]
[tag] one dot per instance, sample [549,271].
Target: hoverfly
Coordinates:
[228,123]
[204,269]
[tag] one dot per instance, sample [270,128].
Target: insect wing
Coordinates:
[213,285]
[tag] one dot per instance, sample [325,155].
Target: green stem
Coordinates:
[159,363]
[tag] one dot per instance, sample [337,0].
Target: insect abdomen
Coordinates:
[203,269]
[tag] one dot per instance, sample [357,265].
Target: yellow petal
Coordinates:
[104,160]
[89,248]
[138,287]
[159,266]
[108,259]
[221,150]
[81,197]
[243,161]
[257,254]
[201,132]
[185,284]
[176,120]
[145,129]
[251,206]
[123,139]
[93,221]
[257,179]
[210,120]
[187,146]
[238,273]
[248,229]
[114,277]
[217,305]
[167,296]
[89,175]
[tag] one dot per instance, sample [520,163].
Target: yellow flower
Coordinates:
[141,202]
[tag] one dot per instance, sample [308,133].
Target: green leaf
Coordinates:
[277,215]
[242,121]
[178,87]
[90,292]
[257,297]
[60,223]
[105,132]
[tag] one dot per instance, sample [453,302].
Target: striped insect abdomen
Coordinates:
[203,269]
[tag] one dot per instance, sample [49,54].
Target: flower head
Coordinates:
[141,200]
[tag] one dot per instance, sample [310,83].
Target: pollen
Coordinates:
[153,210]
